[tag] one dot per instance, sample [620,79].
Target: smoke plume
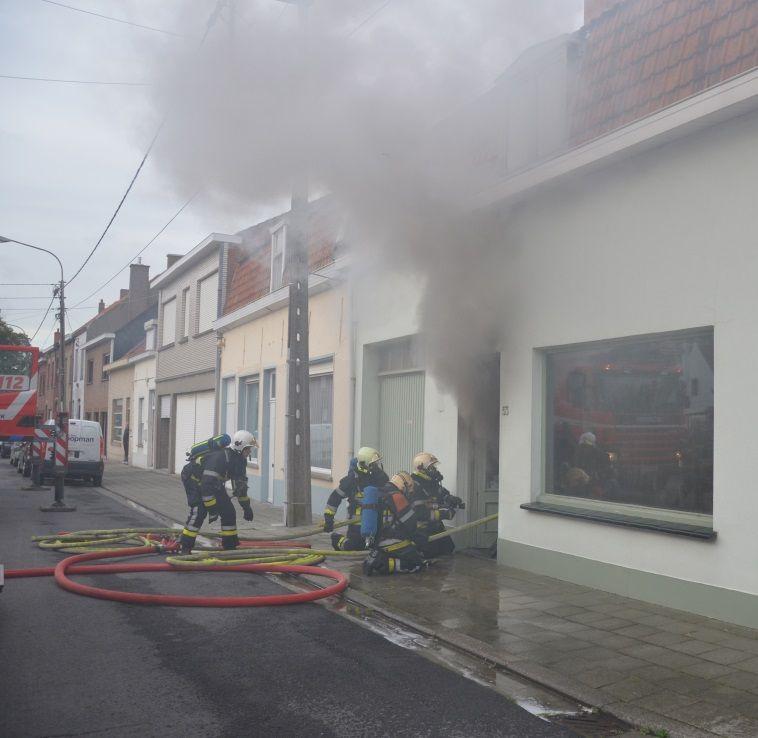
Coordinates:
[370,103]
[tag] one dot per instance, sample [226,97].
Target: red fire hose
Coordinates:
[69,565]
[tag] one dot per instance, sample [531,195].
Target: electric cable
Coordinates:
[116,20]
[220,4]
[52,299]
[169,222]
[369,17]
[74,81]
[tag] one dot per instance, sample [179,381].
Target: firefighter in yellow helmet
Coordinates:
[390,526]
[365,469]
[432,503]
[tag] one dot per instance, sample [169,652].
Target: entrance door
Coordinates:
[150,426]
[401,419]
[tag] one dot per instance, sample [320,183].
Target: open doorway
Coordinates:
[479,453]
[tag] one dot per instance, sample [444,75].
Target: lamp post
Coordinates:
[58,504]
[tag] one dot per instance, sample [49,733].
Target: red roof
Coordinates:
[249,274]
[640,56]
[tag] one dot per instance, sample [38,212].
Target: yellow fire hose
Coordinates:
[105,540]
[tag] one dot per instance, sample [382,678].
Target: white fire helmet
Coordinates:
[425,462]
[403,481]
[243,439]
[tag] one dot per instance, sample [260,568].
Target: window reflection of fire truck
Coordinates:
[636,411]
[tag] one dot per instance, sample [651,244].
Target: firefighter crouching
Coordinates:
[389,523]
[219,467]
[432,504]
[365,470]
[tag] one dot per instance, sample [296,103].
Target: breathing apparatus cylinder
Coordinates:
[370,512]
[210,444]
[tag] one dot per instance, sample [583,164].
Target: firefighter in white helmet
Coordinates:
[365,469]
[432,503]
[225,465]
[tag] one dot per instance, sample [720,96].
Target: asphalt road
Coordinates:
[73,665]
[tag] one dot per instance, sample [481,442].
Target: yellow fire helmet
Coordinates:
[368,457]
[403,481]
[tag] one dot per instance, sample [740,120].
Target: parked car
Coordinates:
[86,450]
[17,449]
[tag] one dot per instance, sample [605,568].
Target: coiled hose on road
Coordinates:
[279,556]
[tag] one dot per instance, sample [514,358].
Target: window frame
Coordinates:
[198,329]
[318,373]
[170,302]
[103,373]
[242,384]
[117,430]
[654,516]
[279,229]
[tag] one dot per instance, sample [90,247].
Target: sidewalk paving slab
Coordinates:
[646,664]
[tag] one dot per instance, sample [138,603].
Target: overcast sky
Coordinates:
[68,151]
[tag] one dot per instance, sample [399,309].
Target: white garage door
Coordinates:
[194,422]
[401,419]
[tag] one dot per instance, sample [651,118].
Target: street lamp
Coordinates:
[58,505]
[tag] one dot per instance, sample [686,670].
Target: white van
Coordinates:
[86,450]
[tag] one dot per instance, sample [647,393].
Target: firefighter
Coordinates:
[390,526]
[365,470]
[219,467]
[432,503]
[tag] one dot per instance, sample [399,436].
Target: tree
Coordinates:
[9,336]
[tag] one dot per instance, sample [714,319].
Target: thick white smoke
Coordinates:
[367,104]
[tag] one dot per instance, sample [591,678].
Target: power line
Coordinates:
[118,207]
[116,20]
[170,221]
[74,81]
[25,284]
[220,4]
[369,17]
[44,318]
[26,297]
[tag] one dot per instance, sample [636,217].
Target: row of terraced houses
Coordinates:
[622,169]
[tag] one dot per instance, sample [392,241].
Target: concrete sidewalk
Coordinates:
[648,665]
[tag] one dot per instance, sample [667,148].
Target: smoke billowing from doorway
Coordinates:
[370,104]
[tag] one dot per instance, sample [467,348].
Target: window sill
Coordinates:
[629,521]
[325,474]
[183,339]
[166,346]
[203,333]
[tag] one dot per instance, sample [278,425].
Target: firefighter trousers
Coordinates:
[393,557]
[223,506]
[440,547]
[351,541]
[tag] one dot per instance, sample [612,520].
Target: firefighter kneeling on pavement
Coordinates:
[219,467]
[365,470]
[389,522]
[432,504]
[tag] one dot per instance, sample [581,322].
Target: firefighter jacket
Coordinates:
[351,489]
[221,467]
[398,520]
[431,501]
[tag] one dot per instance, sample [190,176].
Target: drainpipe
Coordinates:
[352,331]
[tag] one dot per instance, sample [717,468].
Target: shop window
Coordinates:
[631,421]
[321,421]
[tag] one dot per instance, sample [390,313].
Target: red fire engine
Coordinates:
[18,392]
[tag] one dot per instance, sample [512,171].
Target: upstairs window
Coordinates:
[278,250]
[168,332]
[207,302]
[103,373]
[90,371]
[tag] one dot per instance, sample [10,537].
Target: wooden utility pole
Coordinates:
[298,459]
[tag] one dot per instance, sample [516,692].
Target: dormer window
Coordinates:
[278,249]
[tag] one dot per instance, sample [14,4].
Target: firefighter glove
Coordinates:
[420,539]
[328,523]
[247,512]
